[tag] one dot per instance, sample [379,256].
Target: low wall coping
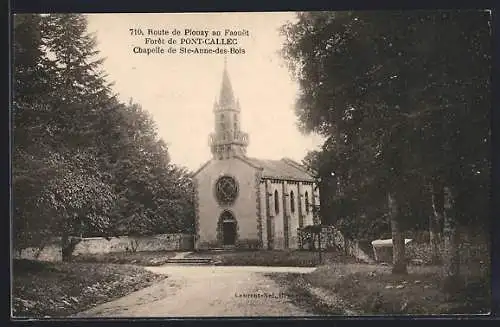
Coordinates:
[129,236]
[387,242]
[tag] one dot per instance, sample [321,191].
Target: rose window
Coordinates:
[226,190]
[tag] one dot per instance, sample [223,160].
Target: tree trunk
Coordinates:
[451,256]
[398,242]
[68,243]
[319,246]
[435,220]
[65,247]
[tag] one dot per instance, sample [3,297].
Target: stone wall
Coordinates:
[99,245]
[51,252]
[332,238]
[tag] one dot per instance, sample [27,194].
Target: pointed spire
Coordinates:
[216,105]
[227,140]
[226,93]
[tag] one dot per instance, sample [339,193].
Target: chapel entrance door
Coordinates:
[229,232]
[228,228]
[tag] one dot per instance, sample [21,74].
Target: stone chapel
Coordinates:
[248,202]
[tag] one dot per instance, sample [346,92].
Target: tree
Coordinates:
[84,164]
[331,103]
[393,98]
[155,193]
[455,129]
[80,96]
[57,182]
[79,200]
[436,220]
[32,161]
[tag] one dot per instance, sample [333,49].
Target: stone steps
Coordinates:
[190,260]
[221,249]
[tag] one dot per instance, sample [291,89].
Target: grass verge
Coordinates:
[42,289]
[300,293]
[372,290]
[141,258]
[271,258]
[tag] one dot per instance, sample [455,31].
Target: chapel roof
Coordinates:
[281,169]
[226,96]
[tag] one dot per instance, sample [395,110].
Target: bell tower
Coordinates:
[227,140]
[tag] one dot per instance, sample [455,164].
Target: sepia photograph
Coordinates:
[251,164]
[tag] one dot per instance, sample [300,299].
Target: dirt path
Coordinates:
[202,291]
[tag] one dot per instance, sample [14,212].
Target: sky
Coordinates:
[179,90]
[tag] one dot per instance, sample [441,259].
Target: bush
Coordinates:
[419,251]
[248,244]
[469,252]
[208,245]
[31,266]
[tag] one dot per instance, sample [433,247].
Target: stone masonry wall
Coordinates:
[100,245]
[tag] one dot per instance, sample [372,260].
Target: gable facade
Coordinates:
[248,202]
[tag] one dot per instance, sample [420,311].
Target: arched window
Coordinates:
[222,122]
[276,202]
[292,201]
[307,202]
[226,190]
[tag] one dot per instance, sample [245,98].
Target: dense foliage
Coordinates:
[403,99]
[84,164]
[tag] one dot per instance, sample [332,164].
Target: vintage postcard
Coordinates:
[251,164]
